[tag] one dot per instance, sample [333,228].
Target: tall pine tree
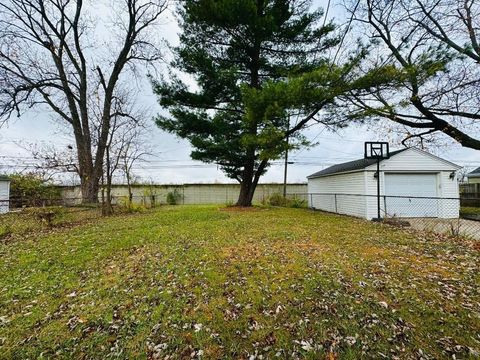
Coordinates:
[233,49]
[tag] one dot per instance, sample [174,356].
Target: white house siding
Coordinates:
[322,192]
[4,196]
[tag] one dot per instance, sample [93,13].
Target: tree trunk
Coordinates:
[108,199]
[109,174]
[129,186]
[247,190]
[89,180]
[246,194]
[89,186]
[249,177]
[249,183]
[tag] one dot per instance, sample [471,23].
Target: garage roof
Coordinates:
[361,164]
[350,166]
[4,178]
[474,173]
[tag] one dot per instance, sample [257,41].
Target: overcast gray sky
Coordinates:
[172,163]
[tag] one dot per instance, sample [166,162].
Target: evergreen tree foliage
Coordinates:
[253,62]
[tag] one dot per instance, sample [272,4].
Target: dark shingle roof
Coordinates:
[474,173]
[349,166]
[3,178]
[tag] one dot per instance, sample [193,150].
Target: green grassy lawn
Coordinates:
[212,283]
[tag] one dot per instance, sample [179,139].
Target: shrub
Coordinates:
[297,203]
[32,190]
[277,200]
[173,197]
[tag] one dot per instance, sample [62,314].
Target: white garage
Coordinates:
[413,183]
[4,194]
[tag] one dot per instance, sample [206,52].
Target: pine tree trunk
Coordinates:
[250,182]
[246,194]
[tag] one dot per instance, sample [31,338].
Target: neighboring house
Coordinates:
[351,188]
[474,176]
[4,194]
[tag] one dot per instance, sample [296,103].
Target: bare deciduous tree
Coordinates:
[434,47]
[125,146]
[50,56]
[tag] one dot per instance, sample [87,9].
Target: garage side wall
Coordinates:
[322,192]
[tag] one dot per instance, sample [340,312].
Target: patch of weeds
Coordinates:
[5,231]
[289,201]
[131,207]
[174,197]
[50,216]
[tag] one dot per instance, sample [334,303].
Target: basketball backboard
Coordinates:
[377,150]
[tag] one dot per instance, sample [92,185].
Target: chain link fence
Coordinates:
[451,216]
[22,216]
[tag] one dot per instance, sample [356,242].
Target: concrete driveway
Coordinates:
[469,228]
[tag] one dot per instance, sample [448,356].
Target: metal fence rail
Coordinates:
[453,216]
[23,216]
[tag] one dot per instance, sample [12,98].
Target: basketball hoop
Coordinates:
[378,151]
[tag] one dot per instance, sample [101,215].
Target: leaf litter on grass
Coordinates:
[282,283]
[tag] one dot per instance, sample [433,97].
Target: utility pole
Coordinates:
[286,163]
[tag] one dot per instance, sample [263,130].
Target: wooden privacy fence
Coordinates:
[470,195]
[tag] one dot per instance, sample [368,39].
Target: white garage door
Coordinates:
[409,186]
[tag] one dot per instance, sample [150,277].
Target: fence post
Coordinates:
[385,205]
[336,207]
[311,201]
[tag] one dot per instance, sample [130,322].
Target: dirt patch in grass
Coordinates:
[236,208]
